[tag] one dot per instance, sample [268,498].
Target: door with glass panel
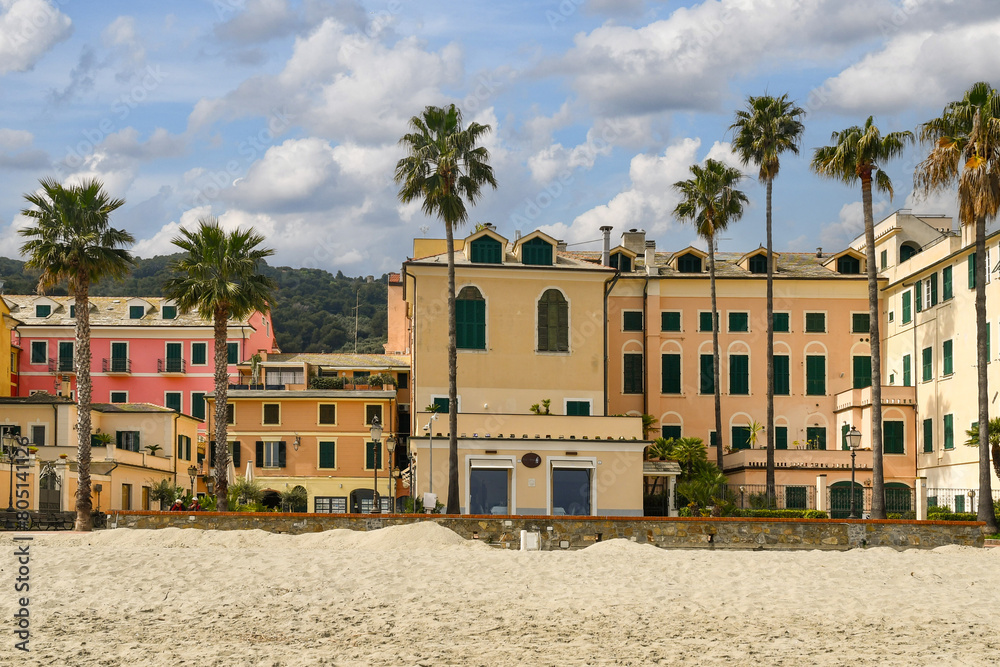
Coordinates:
[489,491]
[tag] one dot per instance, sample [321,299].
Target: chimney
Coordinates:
[561,246]
[606,252]
[819,252]
[517,234]
[635,240]
[650,257]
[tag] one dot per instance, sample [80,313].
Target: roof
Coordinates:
[789,265]
[40,398]
[130,408]
[326,394]
[561,260]
[104,311]
[341,361]
[660,468]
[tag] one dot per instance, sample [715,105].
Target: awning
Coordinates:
[661,469]
[505,463]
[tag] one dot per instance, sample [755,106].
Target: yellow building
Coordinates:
[8,354]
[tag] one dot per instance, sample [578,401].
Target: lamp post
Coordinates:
[376,446]
[10,452]
[430,449]
[98,488]
[390,447]
[192,473]
[854,441]
[972,501]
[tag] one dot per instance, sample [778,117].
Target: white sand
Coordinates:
[420,595]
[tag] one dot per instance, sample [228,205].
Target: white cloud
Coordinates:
[160,242]
[838,235]
[28,30]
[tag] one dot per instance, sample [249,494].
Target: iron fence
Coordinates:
[957,500]
[786,496]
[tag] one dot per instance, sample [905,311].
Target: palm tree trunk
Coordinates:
[220,322]
[715,354]
[984,511]
[878,476]
[769,425]
[453,506]
[84,521]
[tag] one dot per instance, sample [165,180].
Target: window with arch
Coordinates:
[553,322]
[470,319]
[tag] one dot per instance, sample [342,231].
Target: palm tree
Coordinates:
[768,127]
[444,168]
[219,277]
[857,154]
[711,201]
[965,147]
[994,437]
[72,240]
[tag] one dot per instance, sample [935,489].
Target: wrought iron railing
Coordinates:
[957,500]
[66,365]
[170,365]
[116,365]
[786,496]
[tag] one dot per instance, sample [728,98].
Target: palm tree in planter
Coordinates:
[71,239]
[711,201]
[856,156]
[768,127]
[220,278]
[444,168]
[965,149]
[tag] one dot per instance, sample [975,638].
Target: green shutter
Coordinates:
[949,362]
[934,291]
[536,252]
[927,364]
[632,320]
[781,437]
[862,372]
[670,321]
[169,312]
[815,322]
[671,377]
[739,374]
[949,431]
[884,259]
[237,455]
[578,408]
[259,451]
[946,288]
[470,322]
[486,250]
[928,436]
[892,437]
[327,455]
[781,321]
[815,375]
[173,401]
[232,353]
[136,312]
[782,386]
[988,353]
[705,321]
[553,322]
[373,455]
[906,307]
[199,353]
[198,404]
[633,374]
[861,323]
[907,371]
[671,431]
[816,435]
[972,270]
[844,430]
[741,437]
[707,380]
[739,322]
[281,454]
[918,295]
[443,405]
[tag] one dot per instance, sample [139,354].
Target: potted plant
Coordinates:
[153,449]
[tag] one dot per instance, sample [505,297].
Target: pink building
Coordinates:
[144,349]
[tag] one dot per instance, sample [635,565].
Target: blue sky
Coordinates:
[285,115]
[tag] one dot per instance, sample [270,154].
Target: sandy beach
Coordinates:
[421,595]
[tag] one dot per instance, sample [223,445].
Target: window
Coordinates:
[172,400]
[739,374]
[373,411]
[815,375]
[816,437]
[184,447]
[537,252]
[128,440]
[373,455]
[860,323]
[931,291]
[906,307]
[175,359]
[578,408]
[470,319]
[782,379]
[739,322]
[43,310]
[781,323]
[553,322]
[621,261]
[946,287]
[119,357]
[119,397]
[949,431]
[199,354]
[571,491]
[38,435]
[198,404]
[949,362]
[781,437]
[689,263]
[741,437]
[907,372]
[927,364]
[169,312]
[230,413]
[972,270]
[670,431]
[671,373]
[486,250]
[136,312]
[328,414]
[862,372]
[884,259]
[632,320]
[442,403]
[39,352]
[705,321]
[126,496]
[66,356]
[232,353]
[758,264]
[928,436]
[670,321]
[72,310]
[403,380]
[892,437]
[815,322]
[270,454]
[707,380]
[330,504]
[849,265]
[272,413]
[327,454]
[632,371]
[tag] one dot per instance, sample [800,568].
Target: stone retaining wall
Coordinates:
[577,532]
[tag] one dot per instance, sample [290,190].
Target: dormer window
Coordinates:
[536,252]
[848,265]
[136,312]
[622,262]
[689,263]
[169,312]
[757,264]
[486,250]
[72,310]
[43,310]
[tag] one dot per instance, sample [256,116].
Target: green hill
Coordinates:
[313,310]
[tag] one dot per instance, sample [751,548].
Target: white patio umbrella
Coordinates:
[231,473]
[249,475]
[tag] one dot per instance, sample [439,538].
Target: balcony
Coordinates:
[117,365]
[170,366]
[801,458]
[66,365]
[860,398]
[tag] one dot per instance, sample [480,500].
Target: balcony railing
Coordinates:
[66,365]
[170,366]
[116,365]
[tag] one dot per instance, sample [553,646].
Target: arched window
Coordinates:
[553,322]
[908,250]
[470,319]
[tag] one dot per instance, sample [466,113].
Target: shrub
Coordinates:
[782,514]
[317,382]
[951,516]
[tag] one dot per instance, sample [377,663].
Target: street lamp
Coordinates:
[10,452]
[854,441]
[192,473]
[430,447]
[376,445]
[390,448]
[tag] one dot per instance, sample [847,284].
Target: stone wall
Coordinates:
[577,532]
